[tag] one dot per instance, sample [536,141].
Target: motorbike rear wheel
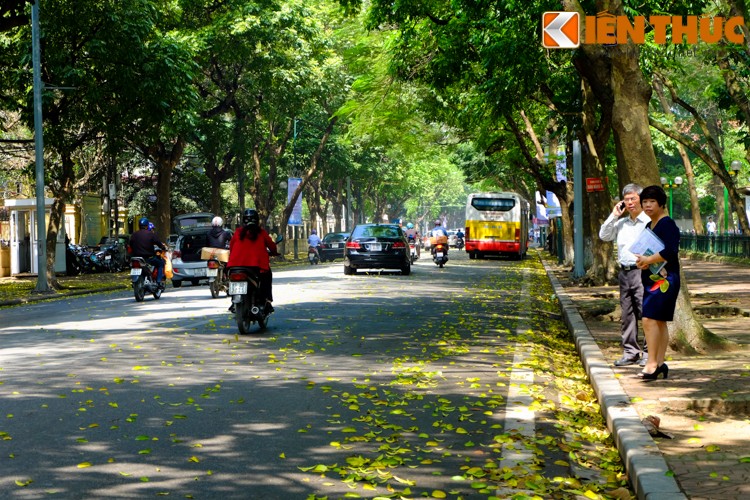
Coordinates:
[215,285]
[139,289]
[241,315]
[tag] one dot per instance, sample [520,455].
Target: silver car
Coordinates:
[192,232]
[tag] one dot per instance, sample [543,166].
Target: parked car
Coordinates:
[377,246]
[332,246]
[192,231]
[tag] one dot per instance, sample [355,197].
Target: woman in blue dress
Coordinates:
[659,290]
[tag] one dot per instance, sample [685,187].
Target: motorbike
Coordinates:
[249,303]
[460,243]
[312,255]
[217,278]
[107,259]
[413,255]
[143,276]
[440,254]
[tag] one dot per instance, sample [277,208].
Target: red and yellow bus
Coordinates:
[497,224]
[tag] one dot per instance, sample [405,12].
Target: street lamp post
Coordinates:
[734,170]
[671,184]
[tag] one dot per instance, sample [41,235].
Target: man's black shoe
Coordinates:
[623,361]
[231,308]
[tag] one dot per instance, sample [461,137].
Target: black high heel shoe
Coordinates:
[663,369]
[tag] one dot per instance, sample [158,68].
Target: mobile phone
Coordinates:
[622,205]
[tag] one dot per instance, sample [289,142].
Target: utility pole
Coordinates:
[41,231]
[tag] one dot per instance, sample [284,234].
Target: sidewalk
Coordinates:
[705,403]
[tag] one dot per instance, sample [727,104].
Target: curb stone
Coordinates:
[57,296]
[645,465]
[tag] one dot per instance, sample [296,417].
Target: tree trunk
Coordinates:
[166,157]
[602,268]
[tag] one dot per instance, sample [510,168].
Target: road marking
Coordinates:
[520,420]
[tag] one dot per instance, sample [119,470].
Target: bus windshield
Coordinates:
[494,204]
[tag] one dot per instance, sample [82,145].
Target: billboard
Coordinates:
[295,218]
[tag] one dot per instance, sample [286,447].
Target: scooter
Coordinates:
[217,277]
[312,255]
[460,243]
[143,276]
[413,254]
[440,254]
[249,303]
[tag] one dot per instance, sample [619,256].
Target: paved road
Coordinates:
[370,384]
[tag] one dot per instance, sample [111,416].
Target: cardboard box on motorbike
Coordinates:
[434,240]
[220,254]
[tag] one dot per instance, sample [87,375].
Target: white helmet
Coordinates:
[217,221]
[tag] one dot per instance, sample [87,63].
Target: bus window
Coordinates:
[494,204]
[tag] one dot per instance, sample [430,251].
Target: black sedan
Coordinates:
[332,246]
[377,246]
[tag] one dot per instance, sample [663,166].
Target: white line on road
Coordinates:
[519,418]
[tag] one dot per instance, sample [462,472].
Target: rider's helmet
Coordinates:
[151,226]
[143,223]
[250,217]
[217,221]
[437,222]
[410,226]
[314,231]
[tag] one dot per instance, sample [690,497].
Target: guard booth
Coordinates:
[23,237]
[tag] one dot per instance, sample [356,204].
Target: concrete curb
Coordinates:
[58,296]
[644,463]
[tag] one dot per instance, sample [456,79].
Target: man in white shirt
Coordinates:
[711,227]
[626,230]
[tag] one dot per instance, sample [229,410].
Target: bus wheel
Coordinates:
[472,255]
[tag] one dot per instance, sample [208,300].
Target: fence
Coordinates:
[730,245]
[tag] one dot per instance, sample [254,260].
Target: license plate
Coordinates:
[375,247]
[335,245]
[136,271]
[439,254]
[212,273]
[201,271]
[238,288]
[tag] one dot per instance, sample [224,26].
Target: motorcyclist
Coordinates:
[218,237]
[413,235]
[438,231]
[251,246]
[460,236]
[314,241]
[142,243]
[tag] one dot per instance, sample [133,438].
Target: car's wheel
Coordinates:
[406,270]
[176,283]
[348,270]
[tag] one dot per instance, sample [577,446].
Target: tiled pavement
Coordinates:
[705,403]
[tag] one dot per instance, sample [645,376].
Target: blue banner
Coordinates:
[295,218]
